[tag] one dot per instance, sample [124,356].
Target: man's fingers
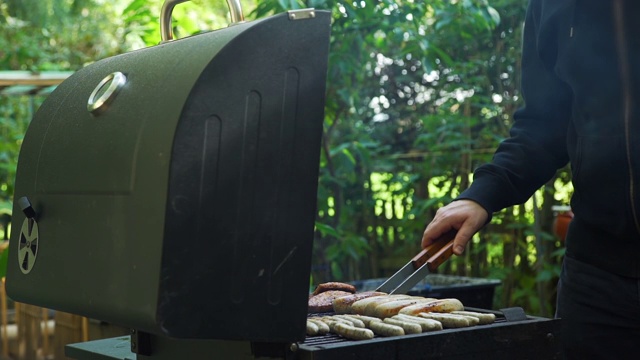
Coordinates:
[460,242]
[434,232]
[465,216]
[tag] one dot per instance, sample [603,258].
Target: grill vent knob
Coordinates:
[29,237]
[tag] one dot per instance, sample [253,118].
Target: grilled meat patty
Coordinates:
[334,286]
[323,302]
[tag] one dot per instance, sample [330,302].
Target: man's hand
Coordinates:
[465,216]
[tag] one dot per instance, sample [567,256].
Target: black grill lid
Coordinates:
[185,205]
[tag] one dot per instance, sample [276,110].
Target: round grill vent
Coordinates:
[28,247]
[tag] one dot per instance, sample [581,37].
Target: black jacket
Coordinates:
[581,87]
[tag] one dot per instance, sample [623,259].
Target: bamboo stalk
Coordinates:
[45,331]
[5,336]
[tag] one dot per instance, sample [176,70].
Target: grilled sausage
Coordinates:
[323,328]
[355,321]
[484,318]
[448,320]
[392,308]
[426,324]
[331,319]
[312,328]
[333,322]
[334,286]
[365,319]
[439,306]
[408,327]
[385,329]
[366,306]
[351,332]
[343,304]
[343,319]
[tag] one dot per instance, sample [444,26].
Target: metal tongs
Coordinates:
[420,266]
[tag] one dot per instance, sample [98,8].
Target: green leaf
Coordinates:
[495,16]
[326,230]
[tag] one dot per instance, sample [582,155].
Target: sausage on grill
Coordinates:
[484,318]
[426,324]
[408,327]
[323,328]
[392,308]
[448,320]
[440,306]
[312,328]
[385,329]
[343,304]
[352,332]
[366,306]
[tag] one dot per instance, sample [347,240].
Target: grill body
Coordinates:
[521,338]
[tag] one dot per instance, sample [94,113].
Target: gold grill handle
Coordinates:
[166,33]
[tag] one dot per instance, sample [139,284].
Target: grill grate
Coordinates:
[328,339]
[504,339]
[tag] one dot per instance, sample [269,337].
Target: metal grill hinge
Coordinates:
[302,14]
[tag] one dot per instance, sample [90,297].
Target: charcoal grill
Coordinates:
[513,336]
[172,191]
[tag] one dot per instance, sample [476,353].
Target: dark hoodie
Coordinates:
[580,82]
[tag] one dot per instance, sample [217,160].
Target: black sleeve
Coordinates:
[536,148]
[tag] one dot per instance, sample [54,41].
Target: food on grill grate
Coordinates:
[366,306]
[334,286]
[437,305]
[426,324]
[390,315]
[448,320]
[323,302]
[323,328]
[389,309]
[352,332]
[384,329]
[365,319]
[483,318]
[395,325]
[355,321]
[408,327]
[312,328]
[343,304]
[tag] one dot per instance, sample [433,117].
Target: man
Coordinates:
[581,87]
